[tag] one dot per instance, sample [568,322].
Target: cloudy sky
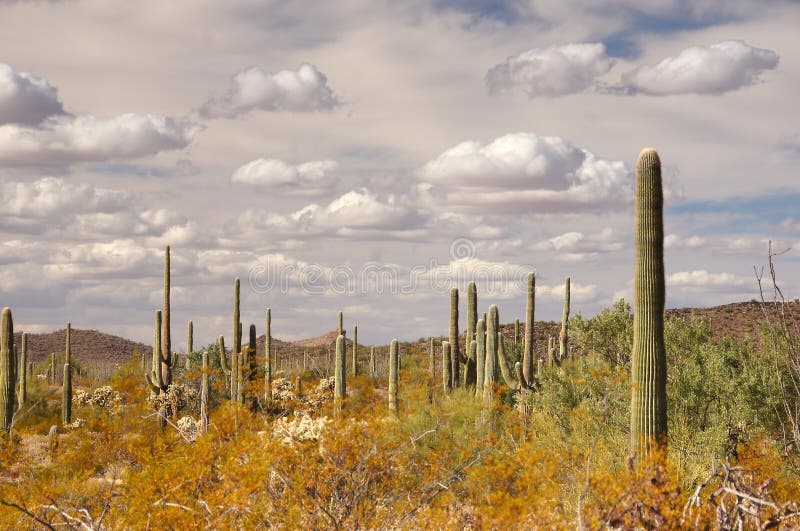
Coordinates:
[366,156]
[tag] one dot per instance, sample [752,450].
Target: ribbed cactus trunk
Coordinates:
[166,347]
[455,353]
[23,373]
[563,337]
[480,356]
[8,366]
[237,340]
[491,353]
[340,331]
[340,377]
[432,359]
[189,345]
[204,394]
[373,367]
[268,358]
[648,359]
[66,397]
[251,354]
[393,374]
[223,363]
[354,362]
[447,367]
[516,331]
[470,376]
[528,351]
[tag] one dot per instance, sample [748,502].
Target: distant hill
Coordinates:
[87,346]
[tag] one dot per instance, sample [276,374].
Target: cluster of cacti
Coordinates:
[394,369]
[648,359]
[66,398]
[8,366]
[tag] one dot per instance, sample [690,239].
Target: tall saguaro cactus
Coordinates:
[470,376]
[563,337]
[648,359]
[528,351]
[166,341]
[480,356]
[8,366]
[491,352]
[23,372]
[237,339]
[455,357]
[66,398]
[268,358]
[189,345]
[393,376]
[354,367]
[447,367]
[340,377]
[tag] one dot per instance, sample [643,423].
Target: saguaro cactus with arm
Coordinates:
[648,359]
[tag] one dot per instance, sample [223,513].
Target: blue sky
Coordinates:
[302,145]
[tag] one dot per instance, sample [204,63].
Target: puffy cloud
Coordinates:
[674,241]
[304,90]
[524,172]
[307,178]
[574,246]
[701,278]
[25,98]
[715,69]
[552,71]
[355,212]
[64,139]
[790,224]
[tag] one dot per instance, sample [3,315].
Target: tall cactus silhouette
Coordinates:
[491,352]
[648,359]
[237,340]
[393,376]
[251,354]
[528,351]
[268,358]
[340,379]
[455,357]
[8,366]
[23,372]
[354,367]
[166,341]
[563,337]
[470,376]
[66,397]
[480,356]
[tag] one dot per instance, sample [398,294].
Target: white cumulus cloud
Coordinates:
[524,172]
[304,90]
[306,178]
[715,69]
[701,278]
[552,71]
[25,98]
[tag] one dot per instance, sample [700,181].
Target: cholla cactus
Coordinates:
[8,365]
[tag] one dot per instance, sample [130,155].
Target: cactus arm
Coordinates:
[505,369]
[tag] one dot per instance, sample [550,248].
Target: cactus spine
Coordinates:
[237,340]
[166,348]
[23,373]
[393,370]
[447,367]
[648,359]
[8,362]
[528,351]
[470,376]
[204,394]
[189,345]
[455,357]
[66,399]
[480,356]
[354,368]
[340,381]
[268,358]
[563,337]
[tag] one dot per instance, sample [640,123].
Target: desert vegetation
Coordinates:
[633,418]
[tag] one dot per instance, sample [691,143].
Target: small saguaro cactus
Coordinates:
[189,345]
[373,367]
[23,373]
[354,367]
[447,367]
[563,337]
[8,366]
[528,351]
[204,393]
[491,353]
[268,357]
[251,354]
[480,356]
[66,398]
[455,353]
[648,359]
[341,324]
[393,376]
[52,442]
[340,377]
[154,377]
[237,339]
[166,341]
[432,359]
